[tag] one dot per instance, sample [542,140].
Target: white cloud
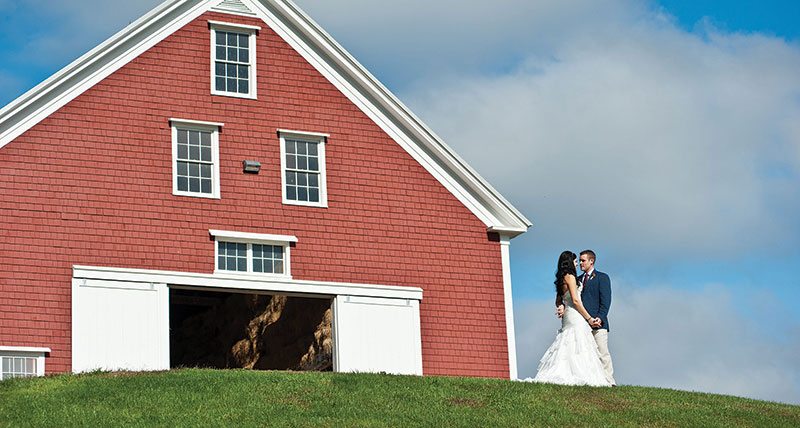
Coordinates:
[675,143]
[683,340]
[669,142]
[420,37]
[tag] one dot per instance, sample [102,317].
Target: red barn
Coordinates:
[221,184]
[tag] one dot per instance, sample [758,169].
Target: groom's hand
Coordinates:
[560,311]
[596,323]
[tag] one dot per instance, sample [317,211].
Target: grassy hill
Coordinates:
[249,398]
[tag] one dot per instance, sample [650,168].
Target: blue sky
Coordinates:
[664,134]
[772,17]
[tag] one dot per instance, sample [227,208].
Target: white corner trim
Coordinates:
[302,133]
[25,349]
[248,283]
[505,255]
[255,238]
[173,121]
[231,25]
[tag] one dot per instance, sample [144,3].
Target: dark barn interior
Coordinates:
[253,331]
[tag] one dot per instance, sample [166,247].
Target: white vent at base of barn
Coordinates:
[233,6]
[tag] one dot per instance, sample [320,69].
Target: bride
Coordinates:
[573,358]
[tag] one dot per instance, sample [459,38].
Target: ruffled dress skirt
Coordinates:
[572,359]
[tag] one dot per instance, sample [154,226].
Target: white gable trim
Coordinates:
[320,50]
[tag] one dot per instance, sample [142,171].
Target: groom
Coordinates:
[596,297]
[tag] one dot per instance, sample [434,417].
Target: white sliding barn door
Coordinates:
[119,325]
[377,335]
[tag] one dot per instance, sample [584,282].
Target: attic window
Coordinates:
[233,64]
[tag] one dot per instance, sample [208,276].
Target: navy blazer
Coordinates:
[596,296]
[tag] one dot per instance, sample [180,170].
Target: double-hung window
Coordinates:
[195,158]
[303,168]
[233,59]
[252,253]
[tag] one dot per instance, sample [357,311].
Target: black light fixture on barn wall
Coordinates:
[251,166]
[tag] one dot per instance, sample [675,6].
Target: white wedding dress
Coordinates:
[573,358]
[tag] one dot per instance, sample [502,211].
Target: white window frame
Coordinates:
[251,31]
[196,125]
[24,352]
[250,239]
[312,137]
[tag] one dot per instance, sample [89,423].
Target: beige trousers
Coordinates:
[601,337]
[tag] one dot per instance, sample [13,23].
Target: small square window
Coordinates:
[267,258]
[232,256]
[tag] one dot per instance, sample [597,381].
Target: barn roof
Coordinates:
[318,48]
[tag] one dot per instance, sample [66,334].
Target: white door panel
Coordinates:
[378,335]
[119,325]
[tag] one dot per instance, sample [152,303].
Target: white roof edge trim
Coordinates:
[25,349]
[251,237]
[507,232]
[267,285]
[424,134]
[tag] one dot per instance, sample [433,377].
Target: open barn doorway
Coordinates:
[222,329]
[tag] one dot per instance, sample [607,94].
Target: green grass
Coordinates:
[250,398]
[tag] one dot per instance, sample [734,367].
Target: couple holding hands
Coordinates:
[579,354]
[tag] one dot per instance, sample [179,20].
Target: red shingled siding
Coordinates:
[92,185]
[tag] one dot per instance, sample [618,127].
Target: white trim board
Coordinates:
[25,349]
[244,282]
[322,52]
[251,237]
[505,256]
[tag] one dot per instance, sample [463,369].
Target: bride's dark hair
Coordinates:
[566,265]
